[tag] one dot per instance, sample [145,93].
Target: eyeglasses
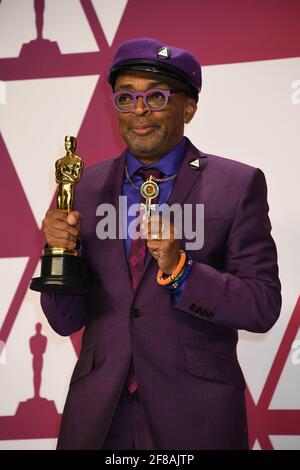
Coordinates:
[154,99]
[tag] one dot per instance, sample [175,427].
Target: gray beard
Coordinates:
[141,149]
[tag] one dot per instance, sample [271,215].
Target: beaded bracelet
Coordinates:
[177,278]
[164,281]
[185,274]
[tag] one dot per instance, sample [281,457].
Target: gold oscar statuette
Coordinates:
[63,270]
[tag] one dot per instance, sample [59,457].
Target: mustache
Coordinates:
[141,123]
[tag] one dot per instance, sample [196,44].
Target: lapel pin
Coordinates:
[195,164]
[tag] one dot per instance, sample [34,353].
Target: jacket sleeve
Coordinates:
[65,313]
[246,294]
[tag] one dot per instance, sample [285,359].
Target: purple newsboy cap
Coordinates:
[154,56]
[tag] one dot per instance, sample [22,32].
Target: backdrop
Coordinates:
[54,57]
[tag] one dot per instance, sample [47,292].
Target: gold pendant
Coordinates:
[149,190]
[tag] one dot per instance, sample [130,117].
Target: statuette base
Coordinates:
[62,274]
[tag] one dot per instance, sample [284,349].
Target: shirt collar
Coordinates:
[169,164]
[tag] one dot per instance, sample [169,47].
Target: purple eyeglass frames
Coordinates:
[155,99]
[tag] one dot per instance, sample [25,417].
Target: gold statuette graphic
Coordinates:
[68,173]
[63,270]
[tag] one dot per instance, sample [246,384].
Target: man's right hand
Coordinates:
[61,228]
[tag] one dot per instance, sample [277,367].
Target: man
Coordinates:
[158,366]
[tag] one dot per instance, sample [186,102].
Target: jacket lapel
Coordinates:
[188,174]
[117,176]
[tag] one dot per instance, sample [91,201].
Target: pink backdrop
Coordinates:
[55,85]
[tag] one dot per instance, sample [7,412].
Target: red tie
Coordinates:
[136,259]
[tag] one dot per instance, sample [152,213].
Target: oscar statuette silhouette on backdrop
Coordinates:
[38,344]
[64,270]
[36,416]
[40,46]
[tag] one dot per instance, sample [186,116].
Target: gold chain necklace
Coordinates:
[158,180]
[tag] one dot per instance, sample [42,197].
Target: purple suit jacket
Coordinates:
[189,379]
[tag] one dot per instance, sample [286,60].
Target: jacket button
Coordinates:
[135,312]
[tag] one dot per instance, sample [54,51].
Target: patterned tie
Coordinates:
[136,259]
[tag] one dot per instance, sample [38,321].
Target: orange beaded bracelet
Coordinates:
[168,280]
